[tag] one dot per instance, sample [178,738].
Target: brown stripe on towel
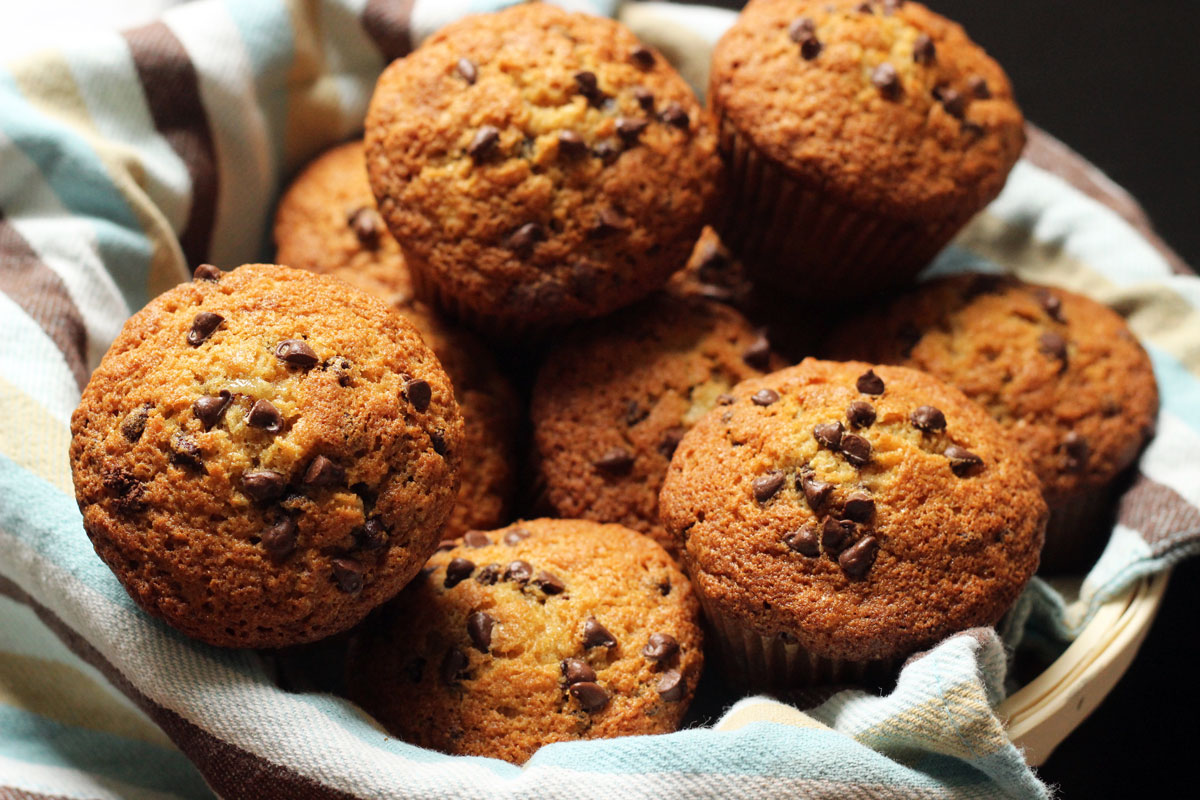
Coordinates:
[38,290]
[1162,517]
[172,92]
[229,770]
[388,22]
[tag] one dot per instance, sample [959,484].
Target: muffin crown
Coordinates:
[886,105]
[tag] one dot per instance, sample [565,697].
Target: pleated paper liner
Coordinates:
[1078,529]
[801,241]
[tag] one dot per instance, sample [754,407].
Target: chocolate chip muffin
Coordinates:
[612,401]
[859,136]
[836,517]
[539,167]
[265,455]
[1062,373]
[327,222]
[546,631]
[491,413]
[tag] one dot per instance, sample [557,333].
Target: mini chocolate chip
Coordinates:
[670,440]
[928,419]
[322,473]
[816,492]
[644,98]
[643,57]
[203,326]
[615,461]
[805,540]
[515,536]
[864,8]
[209,408]
[279,540]
[571,144]
[586,81]
[924,50]
[134,424]
[523,239]
[604,224]
[630,128]
[476,539]
[479,628]
[811,48]
[758,354]
[886,80]
[549,583]
[518,572]
[591,695]
[829,434]
[262,485]
[349,575]
[367,225]
[670,686]
[767,486]
[576,670]
[859,506]
[438,441]
[1076,448]
[418,393]
[962,460]
[978,87]
[861,414]
[206,272]
[296,353]
[606,152]
[836,534]
[373,534]
[596,635]
[856,449]
[801,29]
[869,383]
[675,116]
[856,559]
[457,571]
[952,100]
[484,142]
[660,647]
[488,574]
[185,451]
[764,397]
[725,399]
[454,663]
[467,69]
[1050,303]
[446,544]
[263,414]
[1054,345]
[128,490]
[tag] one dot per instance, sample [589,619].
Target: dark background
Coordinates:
[1119,81]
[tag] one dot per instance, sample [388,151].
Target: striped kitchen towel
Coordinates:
[128,158]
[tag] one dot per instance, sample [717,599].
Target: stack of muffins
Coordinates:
[268,456]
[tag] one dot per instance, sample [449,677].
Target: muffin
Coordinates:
[327,222]
[546,631]
[859,138]
[612,401]
[837,517]
[539,167]
[1062,373]
[265,455]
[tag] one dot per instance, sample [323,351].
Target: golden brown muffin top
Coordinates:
[613,400]
[545,631]
[884,105]
[865,511]
[264,455]
[327,222]
[542,166]
[1061,372]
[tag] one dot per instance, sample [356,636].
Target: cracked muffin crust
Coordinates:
[836,517]
[860,137]
[612,401]
[545,631]
[1062,374]
[265,455]
[327,222]
[539,167]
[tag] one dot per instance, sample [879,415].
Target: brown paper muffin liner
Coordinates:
[776,663]
[800,240]
[427,289]
[1078,531]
